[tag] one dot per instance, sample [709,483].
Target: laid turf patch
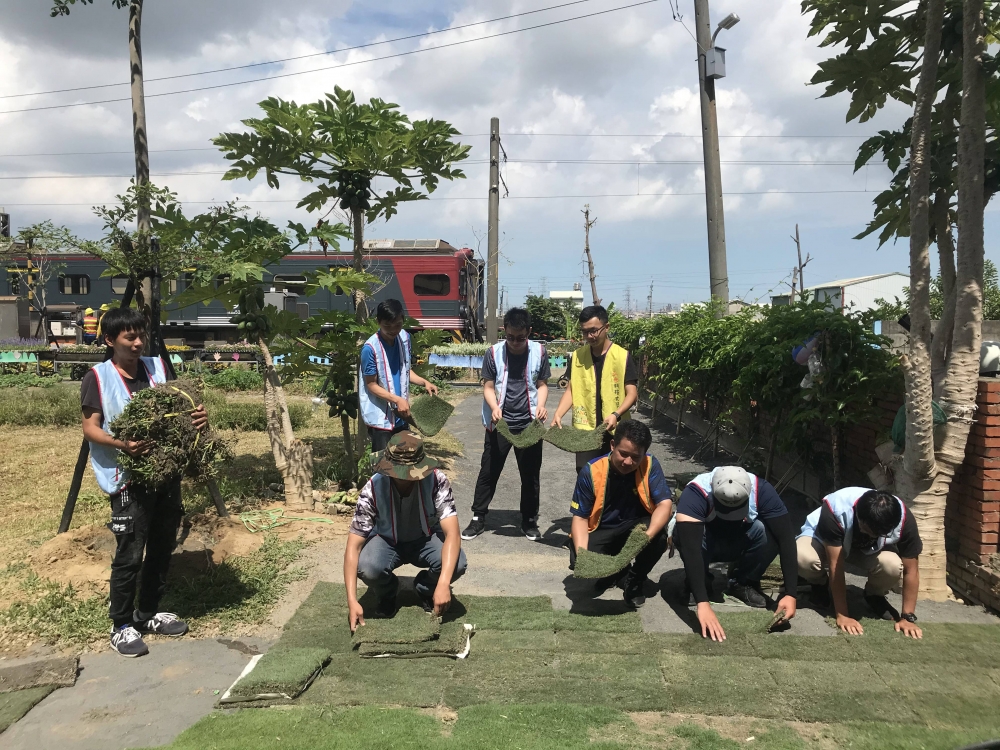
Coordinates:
[531,727]
[505,641]
[349,680]
[16,704]
[408,625]
[714,685]
[802,648]
[453,640]
[281,673]
[526,438]
[430,413]
[573,440]
[597,621]
[503,613]
[593,565]
[750,622]
[694,645]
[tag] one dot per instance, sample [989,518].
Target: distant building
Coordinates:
[575,296]
[856,295]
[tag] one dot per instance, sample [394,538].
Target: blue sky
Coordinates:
[631,71]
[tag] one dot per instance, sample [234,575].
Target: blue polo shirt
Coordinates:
[621,501]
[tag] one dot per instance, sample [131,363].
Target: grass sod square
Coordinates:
[17,703]
[598,617]
[409,625]
[503,612]
[528,437]
[281,671]
[593,565]
[451,641]
[506,641]
[573,440]
[941,644]
[693,644]
[796,648]
[544,726]
[349,680]
[720,685]
[430,413]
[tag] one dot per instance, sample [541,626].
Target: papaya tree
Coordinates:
[340,147]
[932,56]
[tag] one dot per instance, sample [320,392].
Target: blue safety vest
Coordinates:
[377,412]
[385,514]
[115,396]
[842,504]
[503,372]
[703,483]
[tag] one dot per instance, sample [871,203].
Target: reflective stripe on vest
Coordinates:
[500,383]
[115,396]
[583,382]
[599,470]
[376,412]
[842,504]
[703,483]
[385,513]
[90,324]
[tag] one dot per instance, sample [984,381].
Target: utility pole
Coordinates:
[717,266]
[649,301]
[628,302]
[801,266]
[492,242]
[587,224]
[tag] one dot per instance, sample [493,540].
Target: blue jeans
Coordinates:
[752,551]
[379,559]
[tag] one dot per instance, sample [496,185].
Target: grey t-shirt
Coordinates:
[516,406]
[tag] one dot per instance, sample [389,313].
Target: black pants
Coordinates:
[609,540]
[142,521]
[381,438]
[529,464]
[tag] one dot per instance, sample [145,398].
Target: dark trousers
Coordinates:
[752,551]
[529,464]
[380,438]
[609,540]
[143,521]
[379,559]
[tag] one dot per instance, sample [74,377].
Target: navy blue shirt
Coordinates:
[695,504]
[395,360]
[621,499]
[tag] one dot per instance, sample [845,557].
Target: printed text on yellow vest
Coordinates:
[583,381]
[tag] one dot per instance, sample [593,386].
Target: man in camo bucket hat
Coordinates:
[405,515]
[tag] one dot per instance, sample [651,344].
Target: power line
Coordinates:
[339,65]
[297,57]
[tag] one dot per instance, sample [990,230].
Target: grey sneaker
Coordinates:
[162,623]
[476,527]
[127,641]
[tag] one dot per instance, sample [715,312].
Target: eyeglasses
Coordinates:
[589,332]
[515,339]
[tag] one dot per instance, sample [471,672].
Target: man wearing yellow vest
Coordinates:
[613,494]
[603,382]
[89,326]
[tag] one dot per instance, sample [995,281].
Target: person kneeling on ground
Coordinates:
[729,515]
[873,530]
[515,386]
[142,519]
[613,494]
[384,376]
[405,515]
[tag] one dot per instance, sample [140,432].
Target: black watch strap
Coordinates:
[908,616]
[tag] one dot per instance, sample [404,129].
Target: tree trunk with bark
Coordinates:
[352,462]
[292,457]
[358,221]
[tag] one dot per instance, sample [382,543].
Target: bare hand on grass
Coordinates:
[788,604]
[199,417]
[442,600]
[909,629]
[710,625]
[355,615]
[849,625]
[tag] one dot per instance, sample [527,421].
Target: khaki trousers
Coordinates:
[885,570]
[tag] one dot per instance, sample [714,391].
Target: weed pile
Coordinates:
[526,438]
[592,565]
[162,416]
[576,441]
[430,413]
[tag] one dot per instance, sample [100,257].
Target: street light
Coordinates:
[726,23]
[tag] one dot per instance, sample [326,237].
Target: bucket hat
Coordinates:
[404,458]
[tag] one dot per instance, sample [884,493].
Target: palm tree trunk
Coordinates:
[358,221]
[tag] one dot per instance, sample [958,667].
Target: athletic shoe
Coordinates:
[747,593]
[819,595]
[127,641]
[162,623]
[386,607]
[530,529]
[634,595]
[881,608]
[476,527]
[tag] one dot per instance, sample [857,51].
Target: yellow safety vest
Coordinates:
[583,381]
[599,469]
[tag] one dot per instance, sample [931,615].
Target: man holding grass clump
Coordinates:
[143,520]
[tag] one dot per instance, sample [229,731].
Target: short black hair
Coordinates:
[635,432]
[388,310]
[594,311]
[880,511]
[122,320]
[517,318]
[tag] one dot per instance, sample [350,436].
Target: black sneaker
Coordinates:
[386,607]
[476,527]
[881,608]
[529,527]
[634,594]
[127,641]
[819,595]
[748,594]
[162,623]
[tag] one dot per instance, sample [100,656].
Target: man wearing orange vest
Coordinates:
[613,494]
[89,326]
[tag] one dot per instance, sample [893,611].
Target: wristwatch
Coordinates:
[616,415]
[908,616]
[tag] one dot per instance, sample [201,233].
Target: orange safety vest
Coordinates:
[599,470]
[90,324]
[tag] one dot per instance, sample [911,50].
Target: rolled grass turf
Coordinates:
[593,565]
[429,414]
[527,437]
[409,625]
[576,441]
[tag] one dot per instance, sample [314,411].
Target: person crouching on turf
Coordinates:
[141,519]
[384,376]
[515,376]
[613,494]
[729,515]
[873,530]
[405,515]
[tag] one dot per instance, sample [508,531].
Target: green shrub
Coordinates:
[28,380]
[49,407]
[248,416]
[235,379]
